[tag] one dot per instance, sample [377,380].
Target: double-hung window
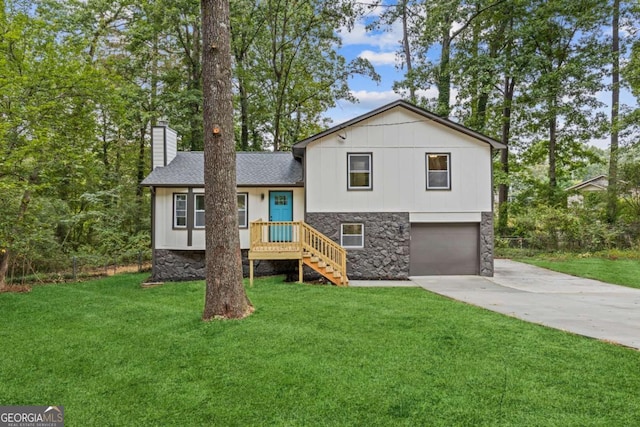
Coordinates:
[180,211]
[198,215]
[352,235]
[438,171]
[243,210]
[359,171]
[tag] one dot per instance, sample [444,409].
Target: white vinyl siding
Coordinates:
[398,162]
[198,214]
[352,235]
[359,171]
[162,156]
[180,211]
[438,171]
[157,136]
[168,237]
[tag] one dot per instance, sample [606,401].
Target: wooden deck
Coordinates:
[280,240]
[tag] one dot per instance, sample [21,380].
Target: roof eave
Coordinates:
[299,147]
[201,185]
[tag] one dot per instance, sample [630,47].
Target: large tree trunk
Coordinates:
[225,294]
[444,73]
[503,189]
[244,117]
[406,48]
[5,251]
[140,164]
[612,190]
[4,268]
[552,153]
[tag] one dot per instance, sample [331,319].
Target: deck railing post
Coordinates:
[297,236]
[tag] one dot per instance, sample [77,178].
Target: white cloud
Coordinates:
[359,35]
[370,100]
[373,8]
[455,27]
[602,143]
[432,93]
[379,58]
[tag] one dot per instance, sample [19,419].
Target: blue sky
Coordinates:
[380,48]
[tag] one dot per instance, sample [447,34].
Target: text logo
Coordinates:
[31,416]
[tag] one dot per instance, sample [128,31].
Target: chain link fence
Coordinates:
[545,243]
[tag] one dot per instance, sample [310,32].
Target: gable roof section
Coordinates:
[253,169]
[600,182]
[299,147]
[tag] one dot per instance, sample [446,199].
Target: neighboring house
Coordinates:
[404,191]
[595,184]
[598,183]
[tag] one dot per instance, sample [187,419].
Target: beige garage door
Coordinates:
[444,249]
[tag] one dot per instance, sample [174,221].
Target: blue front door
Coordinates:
[280,209]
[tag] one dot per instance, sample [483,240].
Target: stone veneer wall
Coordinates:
[486,244]
[386,242]
[176,265]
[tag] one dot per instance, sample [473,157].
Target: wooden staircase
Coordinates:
[298,240]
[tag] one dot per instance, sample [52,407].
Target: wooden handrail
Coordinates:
[275,234]
[320,245]
[298,236]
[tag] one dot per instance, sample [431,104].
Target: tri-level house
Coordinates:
[396,192]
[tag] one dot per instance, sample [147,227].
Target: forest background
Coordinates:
[83,81]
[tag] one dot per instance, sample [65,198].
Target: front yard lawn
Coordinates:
[625,272]
[115,354]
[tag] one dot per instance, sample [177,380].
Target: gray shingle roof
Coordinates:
[253,169]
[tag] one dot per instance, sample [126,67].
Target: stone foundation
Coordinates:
[171,265]
[486,244]
[175,265]
[385,254]
[386,243]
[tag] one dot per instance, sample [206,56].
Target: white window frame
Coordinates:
[361,234]
[184,214]
[245,211]
[368,171]
[448,171]
[196,211]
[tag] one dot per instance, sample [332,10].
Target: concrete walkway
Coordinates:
[581,306]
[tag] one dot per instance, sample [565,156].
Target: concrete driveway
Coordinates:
[582,306]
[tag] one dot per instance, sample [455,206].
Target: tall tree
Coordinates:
[612,189]
[409,13]
[297,72]
[406,45]
[567,68]
[225,294]
[247,25]
[46,127]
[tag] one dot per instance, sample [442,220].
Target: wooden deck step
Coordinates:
[307,245]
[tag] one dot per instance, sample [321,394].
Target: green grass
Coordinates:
[115,354]
[625,272]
